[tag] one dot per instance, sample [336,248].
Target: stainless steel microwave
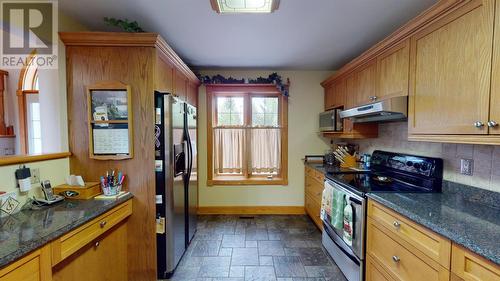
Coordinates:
[330,121]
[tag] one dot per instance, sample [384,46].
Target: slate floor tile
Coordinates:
[265,260]
[313,256]
[206,248]
[245,256]
[289,267]
[274,248]
[233,240]
[259,273]
[271,248]
[237,271]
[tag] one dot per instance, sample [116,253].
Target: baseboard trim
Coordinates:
[251,210]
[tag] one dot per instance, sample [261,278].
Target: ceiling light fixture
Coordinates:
[244,6]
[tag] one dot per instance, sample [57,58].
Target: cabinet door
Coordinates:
[366,79]
[192,94]
[494,120]
[335,94]
[393,71]
[103,259]
[330,97]
[350,90]
[33,267]
[180,85]
[450,72]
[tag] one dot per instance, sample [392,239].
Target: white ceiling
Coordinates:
[301,34]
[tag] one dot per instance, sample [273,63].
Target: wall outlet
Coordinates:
[466,167]
[35,175]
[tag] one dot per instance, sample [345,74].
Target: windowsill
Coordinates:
[235,180]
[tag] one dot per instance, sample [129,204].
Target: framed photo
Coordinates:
[110,121]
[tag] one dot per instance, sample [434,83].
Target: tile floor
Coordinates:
[274,248]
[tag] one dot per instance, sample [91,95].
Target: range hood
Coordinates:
[393,109]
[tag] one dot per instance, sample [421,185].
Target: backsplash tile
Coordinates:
[486,173]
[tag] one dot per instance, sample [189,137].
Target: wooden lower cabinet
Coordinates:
[313,192]
[400,249]
[96,250]
[468,266]
[398,261]
[33,267]
[105,258]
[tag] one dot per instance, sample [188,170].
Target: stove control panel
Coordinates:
[418,165]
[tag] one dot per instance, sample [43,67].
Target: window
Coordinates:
[247,132]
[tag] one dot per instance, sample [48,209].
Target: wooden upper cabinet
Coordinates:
[164,76]
[494,120]
[450,72]
[192,93]
[335,94]
[350,90]
[393,71]
[180,86]
[366,79]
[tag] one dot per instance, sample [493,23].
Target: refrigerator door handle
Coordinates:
[186,164]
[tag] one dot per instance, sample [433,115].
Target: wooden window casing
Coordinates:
[247,92]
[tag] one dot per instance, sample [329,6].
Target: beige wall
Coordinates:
[394,137]
[304,104]
[54,170]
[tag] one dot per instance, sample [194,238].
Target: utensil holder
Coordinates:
[111,190]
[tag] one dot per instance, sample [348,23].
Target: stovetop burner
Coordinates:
[394,172]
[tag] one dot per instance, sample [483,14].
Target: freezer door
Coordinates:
[172,244]
[192,181]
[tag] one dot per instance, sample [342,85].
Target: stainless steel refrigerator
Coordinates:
[176,179]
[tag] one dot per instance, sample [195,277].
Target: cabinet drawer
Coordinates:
[469,266]
[375,272]
[313,208]
[399,261]
[33,267]
[76,239]
[314,188]
[419,237]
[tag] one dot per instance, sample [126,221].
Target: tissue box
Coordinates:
[88,191]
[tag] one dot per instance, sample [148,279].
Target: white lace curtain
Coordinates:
[229,150]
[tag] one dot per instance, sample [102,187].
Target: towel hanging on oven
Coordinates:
[337,210]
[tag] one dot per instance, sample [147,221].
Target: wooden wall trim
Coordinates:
[251,210]
[437,10]
[21,159]
[126,39]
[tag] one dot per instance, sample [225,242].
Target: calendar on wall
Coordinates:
[110,121]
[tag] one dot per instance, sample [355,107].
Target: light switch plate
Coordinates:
[35,175]
[466,167]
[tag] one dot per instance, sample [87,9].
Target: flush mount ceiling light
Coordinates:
[244,6]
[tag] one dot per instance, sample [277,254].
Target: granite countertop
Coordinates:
[466,215]
[28,230]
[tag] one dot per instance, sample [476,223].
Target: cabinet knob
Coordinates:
[102,224]
[396,259]
[97,244]
[396,224]
[478,124]
[492,124]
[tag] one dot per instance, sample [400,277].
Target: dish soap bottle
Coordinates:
[348,230]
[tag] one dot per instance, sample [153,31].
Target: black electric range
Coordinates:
[393,172]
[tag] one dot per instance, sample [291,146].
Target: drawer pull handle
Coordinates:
[102,224]
[396,224]
[396,259]
[96,244]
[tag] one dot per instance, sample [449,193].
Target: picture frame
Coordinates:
[110,121]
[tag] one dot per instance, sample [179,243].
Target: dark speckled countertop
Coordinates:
[28,230]
[466,215]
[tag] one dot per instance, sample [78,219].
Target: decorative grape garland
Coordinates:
[273,78]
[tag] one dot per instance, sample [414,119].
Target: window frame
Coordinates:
[247,91]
